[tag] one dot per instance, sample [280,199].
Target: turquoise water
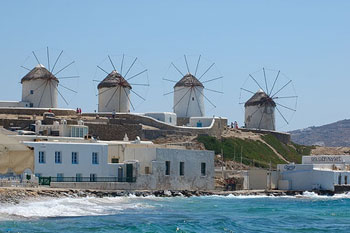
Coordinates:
[306,213]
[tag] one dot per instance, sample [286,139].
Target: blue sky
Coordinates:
[309,41]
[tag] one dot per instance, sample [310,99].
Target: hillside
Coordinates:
[336,134]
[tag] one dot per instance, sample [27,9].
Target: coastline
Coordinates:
[16,194]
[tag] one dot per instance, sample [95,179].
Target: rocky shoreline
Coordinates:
[15,195]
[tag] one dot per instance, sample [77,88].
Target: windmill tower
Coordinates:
[261,106]
[189,92]
[39,88]
[260,112]
[114,91]
[188,97]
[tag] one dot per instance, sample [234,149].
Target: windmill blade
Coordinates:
[111,88]
[199,107]
[207,70]
[48,58]
[286,107]
[130,67]
[210,80]
[199,58]
[112,97]
[67,88]
[139,84]
[267,89]
[274,82]
[128,99]
[50,93]
[137,94]
[206,98]
[110,60]
[285,97]
[69,77]
[256,82]
[177,69]
[247,90]
[282,115]
[102,69]
[188,69]
[94,80]
[255,112]
[181,98]
[174,91]
[61,95]
[169,80]
[281,88]
[220,92]
[41,97]
[58,58]
[26,68]
[121,66]
[188,104]
[64,68]
[137,74]
[36,57]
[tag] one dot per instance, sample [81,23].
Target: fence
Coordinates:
[48,180]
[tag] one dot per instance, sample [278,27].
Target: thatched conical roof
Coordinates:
[114,79]
[260,98]
[189,81]
[39,72]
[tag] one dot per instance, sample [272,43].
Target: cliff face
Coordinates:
[336,134]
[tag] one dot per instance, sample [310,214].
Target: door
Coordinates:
[129,175]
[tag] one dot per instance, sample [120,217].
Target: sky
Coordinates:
[309,41]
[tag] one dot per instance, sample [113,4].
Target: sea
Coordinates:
[308,212]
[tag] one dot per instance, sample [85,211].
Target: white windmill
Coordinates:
[189,96]
[114,91]
[261,106]
[40,86]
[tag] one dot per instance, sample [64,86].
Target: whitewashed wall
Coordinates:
[186,99]
[263,116]
[48,93]
[119,101]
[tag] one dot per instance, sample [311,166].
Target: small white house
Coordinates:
[62,129]
[123,165]
[319,172]
[167,117]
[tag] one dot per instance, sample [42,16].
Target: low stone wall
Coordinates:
[283,137]
[37,111]
[114,131]
[22,123]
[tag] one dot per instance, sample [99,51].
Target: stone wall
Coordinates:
[283,137]
[114,131]
[22,123]
[36,111]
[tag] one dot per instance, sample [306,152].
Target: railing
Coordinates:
[91,179]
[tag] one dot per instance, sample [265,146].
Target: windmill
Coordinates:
[275,93]
[42,85]
[189,92]
[116,90]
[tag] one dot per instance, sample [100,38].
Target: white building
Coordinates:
[39,88]
[260,112]
[189,97]
[123,165]
[318,172]
[167,117]
[62,129]
[114,94]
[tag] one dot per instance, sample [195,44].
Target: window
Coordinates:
[93,177]
[203,169]
[346,180]
[31,92]
[182,168]
[94,158]
[58,157]
[75,158]
[78,177]
[167,168]
[42,157]
[339,179]
[115,160]
[192,98]
[59,177]
[31,105]
[146,170]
